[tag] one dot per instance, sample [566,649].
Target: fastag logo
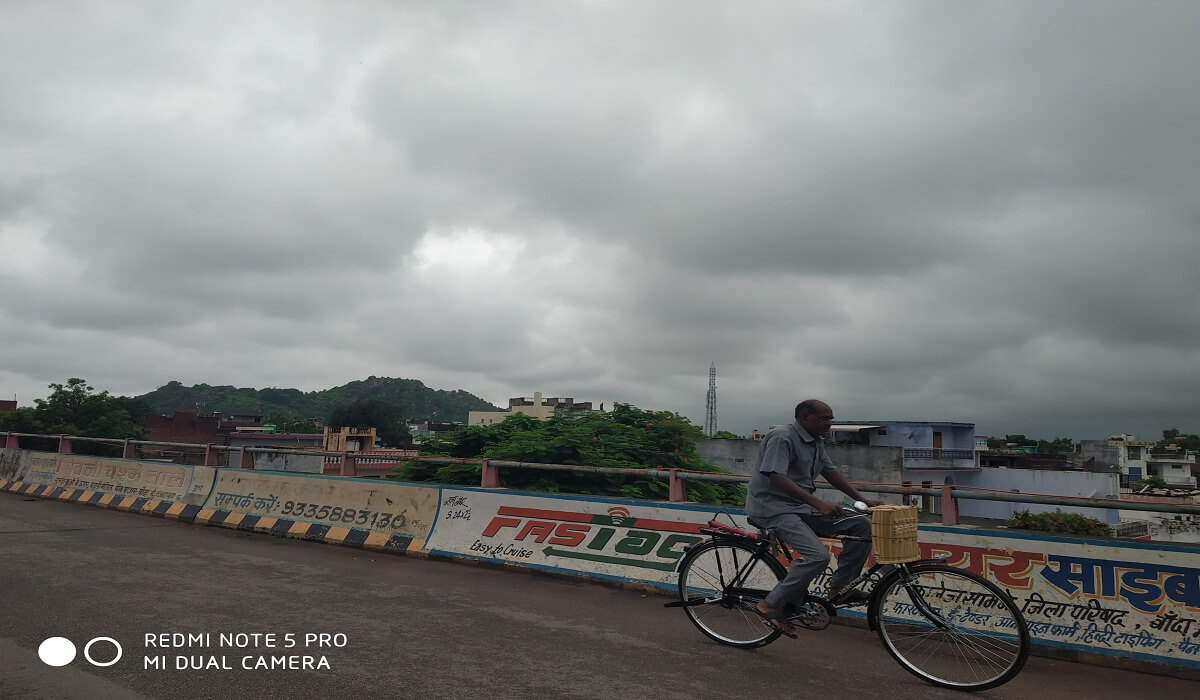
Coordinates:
[615,538]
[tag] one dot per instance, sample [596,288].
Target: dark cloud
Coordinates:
[916,211]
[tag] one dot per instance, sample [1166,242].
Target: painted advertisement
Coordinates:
[1131,599]
[125,477]
[621,540]
[380,506]
[1128,599]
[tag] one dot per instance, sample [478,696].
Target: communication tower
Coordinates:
[710,404]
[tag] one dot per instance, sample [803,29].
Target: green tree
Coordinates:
[298,426]
[625,437]
[1186,441]
[75,408]
[1152,481]
[384,417]
[726,435]
[1017,440]
[1055,445]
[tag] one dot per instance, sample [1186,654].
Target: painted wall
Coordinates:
[921,435]
[1106,597]
[374,505]
[124,477]
[1109,597]
[1037,482]
[737,456]
[286,462]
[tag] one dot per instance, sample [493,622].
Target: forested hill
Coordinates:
[414,399]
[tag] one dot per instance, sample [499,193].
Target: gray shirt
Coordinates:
[791,451]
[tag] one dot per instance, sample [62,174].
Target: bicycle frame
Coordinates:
[765,542]
[912,606]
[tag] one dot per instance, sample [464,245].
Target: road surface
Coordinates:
[397,627]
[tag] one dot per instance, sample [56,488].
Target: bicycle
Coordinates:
[947,626]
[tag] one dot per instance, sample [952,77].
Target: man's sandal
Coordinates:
[775,620]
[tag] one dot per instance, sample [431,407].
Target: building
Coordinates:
[1139,459]
[8,406]
[1164,527]
[343,439]
[287,460]
[184,427]
[422,428]
[920,446]
[924,445]
[929,455]
[538,407]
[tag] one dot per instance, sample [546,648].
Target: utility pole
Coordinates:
[710,404]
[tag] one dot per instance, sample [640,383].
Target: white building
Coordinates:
[538,407]
[1139,459]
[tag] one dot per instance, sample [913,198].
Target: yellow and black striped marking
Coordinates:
[171,510]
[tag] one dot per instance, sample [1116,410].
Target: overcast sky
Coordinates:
[983,212]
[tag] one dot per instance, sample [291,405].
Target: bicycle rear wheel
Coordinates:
[720,582]
[950,627]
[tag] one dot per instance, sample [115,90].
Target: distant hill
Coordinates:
[414,399]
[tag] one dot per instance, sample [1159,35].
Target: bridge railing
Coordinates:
[368,464]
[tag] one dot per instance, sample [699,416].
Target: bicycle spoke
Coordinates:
[730,579]
[952,628]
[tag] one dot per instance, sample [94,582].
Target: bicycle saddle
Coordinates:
[763,532]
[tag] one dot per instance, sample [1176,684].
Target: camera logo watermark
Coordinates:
[60,651]
[202,651]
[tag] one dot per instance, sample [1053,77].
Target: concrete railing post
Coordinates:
[11,442]
[490,477]
[245,458]
[949,506]
[678,489]
[64,444]
[211,456]
[349,464]
[130,449]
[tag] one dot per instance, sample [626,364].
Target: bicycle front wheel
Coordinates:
[720,583]
[951,627]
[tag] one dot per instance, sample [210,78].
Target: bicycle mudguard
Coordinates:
[687,551]
[714,536]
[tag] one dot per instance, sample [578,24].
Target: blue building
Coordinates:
[931,446]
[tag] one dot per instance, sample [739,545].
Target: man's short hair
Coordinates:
[808,407]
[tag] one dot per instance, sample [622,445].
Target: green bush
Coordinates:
[625,437]
[1059,522]
[1154,481]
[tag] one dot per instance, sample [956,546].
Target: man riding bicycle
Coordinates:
[781,498]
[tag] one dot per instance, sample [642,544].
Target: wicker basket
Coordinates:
[894,534]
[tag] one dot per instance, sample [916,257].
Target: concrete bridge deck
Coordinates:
[413,627]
